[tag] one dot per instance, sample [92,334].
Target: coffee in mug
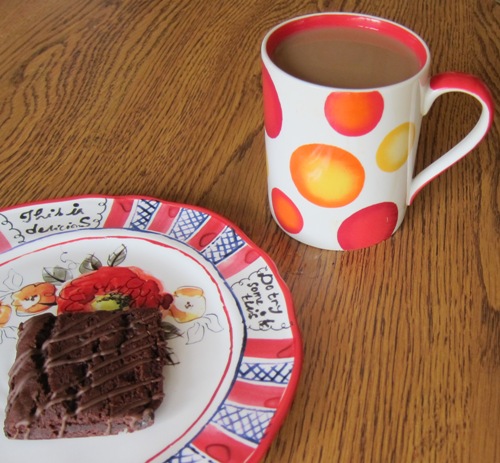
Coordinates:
[345,57]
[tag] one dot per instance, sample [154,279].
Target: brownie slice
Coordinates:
[86,374]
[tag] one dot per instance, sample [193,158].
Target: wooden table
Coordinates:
[163,98]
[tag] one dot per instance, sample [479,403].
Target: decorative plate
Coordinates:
[237,353]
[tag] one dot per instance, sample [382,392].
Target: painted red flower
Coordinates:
[111,288]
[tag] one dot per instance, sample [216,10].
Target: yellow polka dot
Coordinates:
[394,149]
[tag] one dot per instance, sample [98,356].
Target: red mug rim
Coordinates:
[351,20]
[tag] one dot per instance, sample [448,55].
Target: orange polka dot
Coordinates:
[286,212]
[326,175]
[354,113]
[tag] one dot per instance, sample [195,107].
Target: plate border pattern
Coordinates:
[245,423]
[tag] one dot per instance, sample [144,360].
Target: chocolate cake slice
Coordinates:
[86,374]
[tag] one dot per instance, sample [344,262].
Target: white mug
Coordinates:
[340,159]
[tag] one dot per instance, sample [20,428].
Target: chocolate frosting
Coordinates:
[82,374]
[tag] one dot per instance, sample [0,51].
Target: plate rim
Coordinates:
[283,407]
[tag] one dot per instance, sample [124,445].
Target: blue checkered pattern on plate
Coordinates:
[248,423]
[187,223]
[143,213]
[278,373]
[223,246]
[189,455]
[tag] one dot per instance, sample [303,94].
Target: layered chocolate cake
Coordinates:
[86,374]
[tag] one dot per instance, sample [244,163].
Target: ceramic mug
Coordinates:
[340,160]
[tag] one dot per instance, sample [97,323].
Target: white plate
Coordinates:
[239,355]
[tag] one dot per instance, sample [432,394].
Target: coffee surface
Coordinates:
[343,57]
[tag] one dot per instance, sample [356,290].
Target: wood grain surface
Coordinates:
[163,98]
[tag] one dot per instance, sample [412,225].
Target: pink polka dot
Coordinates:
[354,113]
[273,115]
[206,239]
[272,402]
[368,226]
[219,452]
[251,256]
[173,211]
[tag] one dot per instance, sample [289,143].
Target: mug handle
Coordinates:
[454,82]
